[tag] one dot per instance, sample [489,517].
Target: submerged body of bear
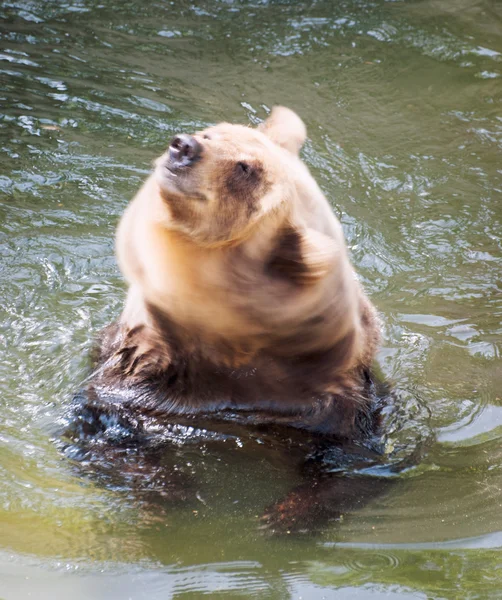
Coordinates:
[242,304]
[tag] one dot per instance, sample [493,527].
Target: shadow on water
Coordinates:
[402,103]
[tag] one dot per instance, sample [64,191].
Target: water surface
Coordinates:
[402,101]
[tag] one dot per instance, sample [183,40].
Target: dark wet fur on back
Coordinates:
[167,380]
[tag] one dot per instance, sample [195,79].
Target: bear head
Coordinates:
[220,182]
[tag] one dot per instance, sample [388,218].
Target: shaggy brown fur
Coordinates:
[242,299]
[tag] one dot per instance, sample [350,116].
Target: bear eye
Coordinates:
[206,136]
[244,179]
[243,167]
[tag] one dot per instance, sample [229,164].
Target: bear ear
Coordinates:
[285,128]
[302,256]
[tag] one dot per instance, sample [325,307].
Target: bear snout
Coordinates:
[184,150]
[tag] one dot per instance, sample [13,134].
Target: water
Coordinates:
[402,101]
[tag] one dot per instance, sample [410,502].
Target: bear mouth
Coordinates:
[174,171]
[173,178]
[179,168]
[178,174]
[177,180]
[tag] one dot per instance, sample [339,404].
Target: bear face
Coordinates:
[220,182]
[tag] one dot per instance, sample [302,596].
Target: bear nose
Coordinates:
[184,150]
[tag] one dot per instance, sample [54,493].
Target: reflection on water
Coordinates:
[403,105]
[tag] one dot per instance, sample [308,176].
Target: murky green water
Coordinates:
[403,103]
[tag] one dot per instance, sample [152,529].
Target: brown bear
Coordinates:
[242,303]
